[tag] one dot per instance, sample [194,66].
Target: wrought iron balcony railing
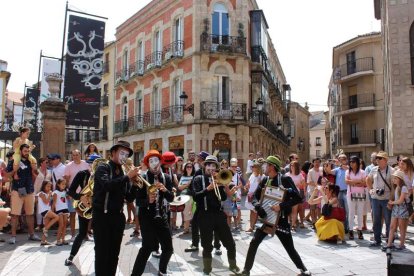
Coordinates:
[262,118]
[153,119]
[223,111]
[356,66]
[359,137]
[359,100]
[223,43]
[172,50]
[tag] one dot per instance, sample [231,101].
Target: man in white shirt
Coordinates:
[249,165]
[58,169]
[312,182]
[71,169]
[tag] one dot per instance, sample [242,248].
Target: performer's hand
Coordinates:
[132,173]
[276,208]
[210,187]
[161,187]
[152,197]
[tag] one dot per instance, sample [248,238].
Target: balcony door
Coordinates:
[223,96]
[178,38]
[354,133]
[156,107]
[140,58]
[351,63]
[220,24]
[139,110]
[176,101]
[157,48]
[125,64]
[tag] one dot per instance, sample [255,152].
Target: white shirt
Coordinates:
[39,180]
[41,205]
[249,166]
[313,176]
[72,169]
[61,202]
[254,182]
[57,173]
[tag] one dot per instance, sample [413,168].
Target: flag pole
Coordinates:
[63,45]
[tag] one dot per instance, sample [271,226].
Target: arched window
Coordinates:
[220,24]
[412,52]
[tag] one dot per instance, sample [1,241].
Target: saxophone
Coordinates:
[84,206]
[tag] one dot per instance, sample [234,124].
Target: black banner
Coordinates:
[83,70]
[32,99]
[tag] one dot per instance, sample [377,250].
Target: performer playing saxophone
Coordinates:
[272,170]
[81,180]
[211,217]
[152,215]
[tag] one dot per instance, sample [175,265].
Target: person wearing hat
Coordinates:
[400,213]
[210,216]
[79,182]
[380,187]
[274,178]
[152,215]
[168,161]
[195,230]
[111,188]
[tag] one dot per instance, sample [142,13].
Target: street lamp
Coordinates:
[259,104]
[183,103]
[279,126]
[301,144]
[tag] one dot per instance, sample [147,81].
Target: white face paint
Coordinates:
[210,168]
[123,156]
[154,163]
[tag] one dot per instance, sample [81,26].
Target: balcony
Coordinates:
[105,100]
[223,44]
[173,50]
[357,103]
[355,68]
[223,111]
[167,116]
[359,137]
[261,118]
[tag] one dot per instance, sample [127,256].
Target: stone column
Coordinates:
[53,120]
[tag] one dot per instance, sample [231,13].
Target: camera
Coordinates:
[379,192]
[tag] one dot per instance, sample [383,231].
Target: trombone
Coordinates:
[223,177]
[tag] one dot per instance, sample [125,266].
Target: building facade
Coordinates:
[199,75]
[356,97]
[317,138]
[4,80]
[299,131]
[397,26]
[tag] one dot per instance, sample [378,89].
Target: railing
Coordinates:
[261,118]
[223,43]
[359,100]
[105,100]
[106,67]
[153,119]
[355,66]
[153,60]
[359,137]
[175,49]
[223,111]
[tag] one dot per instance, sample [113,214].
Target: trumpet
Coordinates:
[138,180]
[223,178]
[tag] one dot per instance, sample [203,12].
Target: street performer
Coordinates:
[272,170]
[111,188]
[79,182]
[211,217]
[153,216]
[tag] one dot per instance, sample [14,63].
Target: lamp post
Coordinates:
[279,126]
[259,106]
[183,103]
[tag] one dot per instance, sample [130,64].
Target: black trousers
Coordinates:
[83,231]
[108,230]
[215,222]
[195,232]
[153,231]
[285,239]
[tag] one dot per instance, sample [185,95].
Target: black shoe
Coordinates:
[305,272]
[351,235]
[68,262]
[192,248]
[375,244]
[360,235]
[245,273]
[218,252]
[235,269]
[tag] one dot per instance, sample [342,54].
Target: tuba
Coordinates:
[84,206]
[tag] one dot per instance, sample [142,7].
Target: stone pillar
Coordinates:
[53,134]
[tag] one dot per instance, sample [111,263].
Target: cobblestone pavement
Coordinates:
[321,258]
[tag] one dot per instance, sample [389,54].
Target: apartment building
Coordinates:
[356,99]
[4,80]
[298,134]
[199,75]
[317,138]
[397,27]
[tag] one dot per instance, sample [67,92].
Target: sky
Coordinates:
[303,32]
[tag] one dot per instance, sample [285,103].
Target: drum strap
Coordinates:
[204,186]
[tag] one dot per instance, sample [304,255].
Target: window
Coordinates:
[318,153]
[178,38]
[156,107]
[125,64]
[318,141]
[176,92]
[140,57]
[124,111]
[220,24]
[350,63]
[138,111]
[105,127]
[157,48]
[223,92]
[354,133]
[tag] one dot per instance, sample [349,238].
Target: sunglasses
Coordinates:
[379,158]
[179,160]
[352,162]
[188,167]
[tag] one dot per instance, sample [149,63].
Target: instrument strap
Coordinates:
[204,186]
[107,193]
